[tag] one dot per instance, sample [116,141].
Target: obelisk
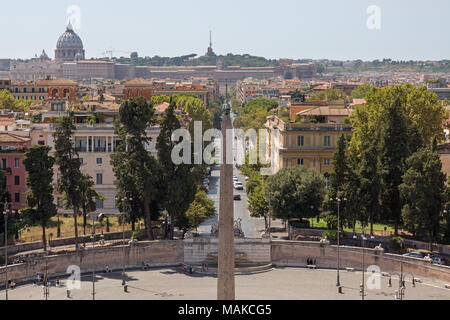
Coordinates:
[225,276]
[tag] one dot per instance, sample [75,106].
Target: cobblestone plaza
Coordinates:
[277,284]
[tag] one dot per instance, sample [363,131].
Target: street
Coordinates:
[252,227]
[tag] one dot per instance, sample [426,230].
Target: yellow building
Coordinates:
[307,144]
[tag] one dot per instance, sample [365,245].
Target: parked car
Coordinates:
[237,197]
[235,179]
[239,186]
[247,179]
[436,260]
[418,255]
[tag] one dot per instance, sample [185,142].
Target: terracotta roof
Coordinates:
[161,108]
[357,102]
[12,138]
[6,121]
[326,111]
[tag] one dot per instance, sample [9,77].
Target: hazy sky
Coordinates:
[334,29]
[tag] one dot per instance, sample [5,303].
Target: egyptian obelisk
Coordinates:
[225,277]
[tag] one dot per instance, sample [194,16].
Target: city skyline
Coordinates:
[308,30]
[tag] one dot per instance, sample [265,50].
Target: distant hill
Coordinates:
[381,66]
[244,60]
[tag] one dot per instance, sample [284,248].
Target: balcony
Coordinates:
[100,149]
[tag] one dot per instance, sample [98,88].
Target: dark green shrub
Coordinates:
[397,243]
[331,235]
[136,235]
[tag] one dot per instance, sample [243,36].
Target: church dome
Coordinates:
[69,39]
[69,45]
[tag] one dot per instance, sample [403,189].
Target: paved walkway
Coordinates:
[279,284]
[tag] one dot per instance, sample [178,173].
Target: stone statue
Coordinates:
[238,229]
[215,229]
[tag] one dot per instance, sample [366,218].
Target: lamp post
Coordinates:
[363,266]
[93,246]
[338,199]
[401,284]
[93,268]
[46,282]
[126,201]
[5,213]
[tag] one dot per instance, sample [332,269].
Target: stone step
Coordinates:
[238,270]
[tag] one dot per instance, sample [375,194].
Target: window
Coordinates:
[42,143]
[300,141]
[99,161]
[99,178]
[3,163]
[16,163]
[300,162]
[327,162]
[99,204]
[16,180]
[81,160]
[17,197]
[327,141]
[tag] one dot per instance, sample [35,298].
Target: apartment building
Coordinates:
[95,142]
[12,151]
[303,144]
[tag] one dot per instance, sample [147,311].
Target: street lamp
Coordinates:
[338,199]
[363,266]
[5,213]
[126,201]
[93,246]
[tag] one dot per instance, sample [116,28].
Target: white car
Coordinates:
[239,186]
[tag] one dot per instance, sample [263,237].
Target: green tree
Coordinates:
[258,205]
[295,192]
[201,209]
[255,118]
[137,165]
[179,179]
[367,167]
[88,198]
[338,181]
[423,192]
[69,167]
[7,101]
[394,149]
[40,207]
[260,103]
[361,91]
